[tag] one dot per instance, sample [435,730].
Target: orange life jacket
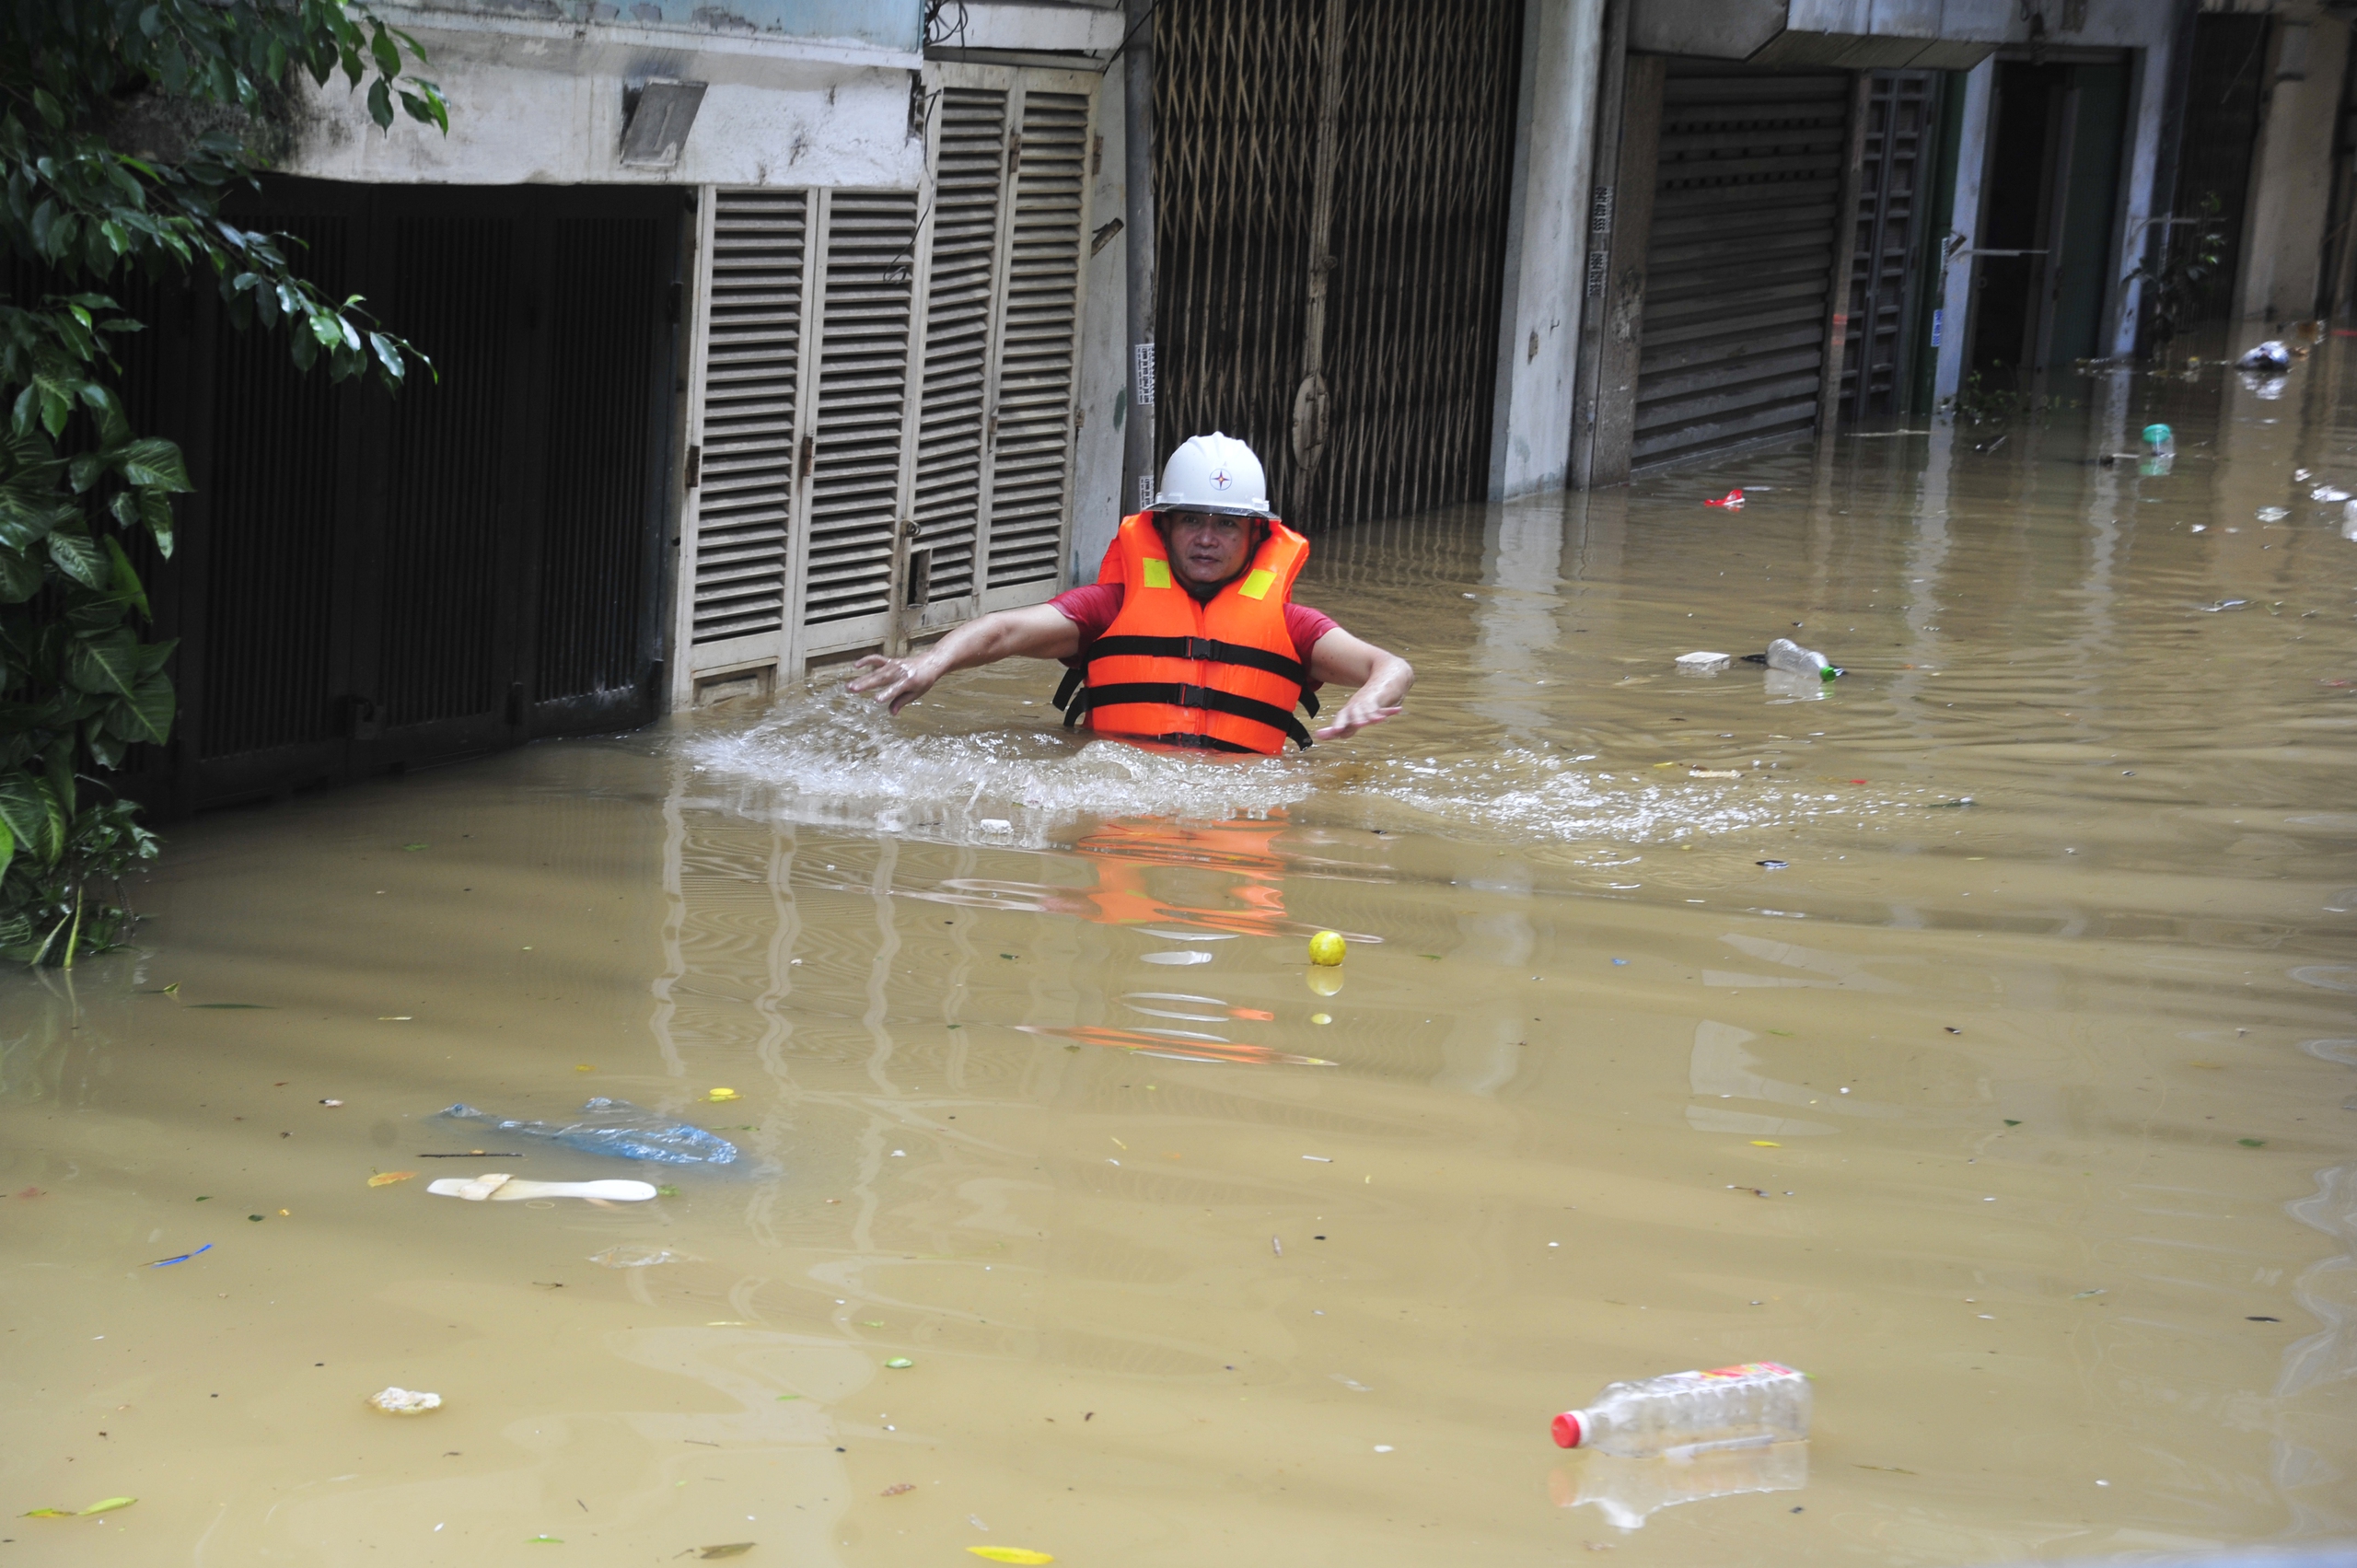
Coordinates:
[1223,675]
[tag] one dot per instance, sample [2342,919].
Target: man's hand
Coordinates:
[896,682]
[1382,680]
[1365,707]
[1037,631]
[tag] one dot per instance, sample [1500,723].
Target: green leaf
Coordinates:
[7,848]
[388,354]
[156,511]
[93,617]
[380,104]
[30,815]
[106,750]
[147,713]
[125,581]
[153,463]
[114,425]
[20,577]
[382,48]
[108,663]
[108,1505]
[78,556]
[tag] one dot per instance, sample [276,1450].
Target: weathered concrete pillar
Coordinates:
[1547,235]
[2290,186]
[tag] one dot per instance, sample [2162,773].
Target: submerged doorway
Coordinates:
[2043,275]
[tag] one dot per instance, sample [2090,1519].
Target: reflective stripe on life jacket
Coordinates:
[1223,675]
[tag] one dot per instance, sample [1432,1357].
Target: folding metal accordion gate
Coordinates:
[884,391]
[1330,189]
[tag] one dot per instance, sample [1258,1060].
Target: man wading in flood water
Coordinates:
[1189,635]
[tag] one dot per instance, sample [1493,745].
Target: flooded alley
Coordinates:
[1977,1032]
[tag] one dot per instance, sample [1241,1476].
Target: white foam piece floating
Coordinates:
[500,1188]
[405,1401]
[1701,661]
[1188,936]
[1178,957]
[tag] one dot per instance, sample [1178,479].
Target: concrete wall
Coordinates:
[2138,202]
[2291,192]
[889,24]
[1104,356]
[537,102]
[1546,247]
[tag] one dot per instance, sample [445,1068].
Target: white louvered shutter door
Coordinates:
[961,280]
[861,404]
[1038,361]
[755,252]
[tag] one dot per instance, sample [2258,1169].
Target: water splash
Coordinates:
[833,760]
[830,759]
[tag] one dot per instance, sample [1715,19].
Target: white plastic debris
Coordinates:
[500,1188]
[1701,662]
[405,1401]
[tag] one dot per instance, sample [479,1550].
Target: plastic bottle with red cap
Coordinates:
[1692,1412]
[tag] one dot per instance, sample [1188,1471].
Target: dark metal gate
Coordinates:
[1330,191]
[1739,271]
[1885,265]
[368,582]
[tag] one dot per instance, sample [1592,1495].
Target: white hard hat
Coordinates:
[1213,473]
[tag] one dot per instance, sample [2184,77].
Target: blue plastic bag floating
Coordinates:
[617,1128]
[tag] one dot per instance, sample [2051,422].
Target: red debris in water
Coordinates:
[1732,500]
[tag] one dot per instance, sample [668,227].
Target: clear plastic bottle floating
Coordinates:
[1692,1412]
[1791,658]
[2160,441]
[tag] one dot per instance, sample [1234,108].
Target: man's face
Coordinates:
[1206,548]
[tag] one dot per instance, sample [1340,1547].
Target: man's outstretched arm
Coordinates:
[1037,631]
[1382,679]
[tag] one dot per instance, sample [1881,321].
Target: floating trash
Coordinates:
[617,1128]
[405,1401]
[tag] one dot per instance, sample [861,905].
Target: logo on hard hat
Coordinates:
[1220,480]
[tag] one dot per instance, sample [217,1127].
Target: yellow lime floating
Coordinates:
[721,1095]
[1326,948]
[1010,1554]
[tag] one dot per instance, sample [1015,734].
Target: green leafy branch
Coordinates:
[79,685]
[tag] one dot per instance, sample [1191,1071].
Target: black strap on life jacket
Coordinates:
[1206,649]
[1180,647]
[1177,694]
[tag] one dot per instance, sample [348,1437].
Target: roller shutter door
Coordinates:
[1740,270]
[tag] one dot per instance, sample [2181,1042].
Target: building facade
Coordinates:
[772,335]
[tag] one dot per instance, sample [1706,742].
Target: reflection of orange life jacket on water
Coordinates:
[1221,677]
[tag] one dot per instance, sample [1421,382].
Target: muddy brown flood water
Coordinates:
[1984,1048]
